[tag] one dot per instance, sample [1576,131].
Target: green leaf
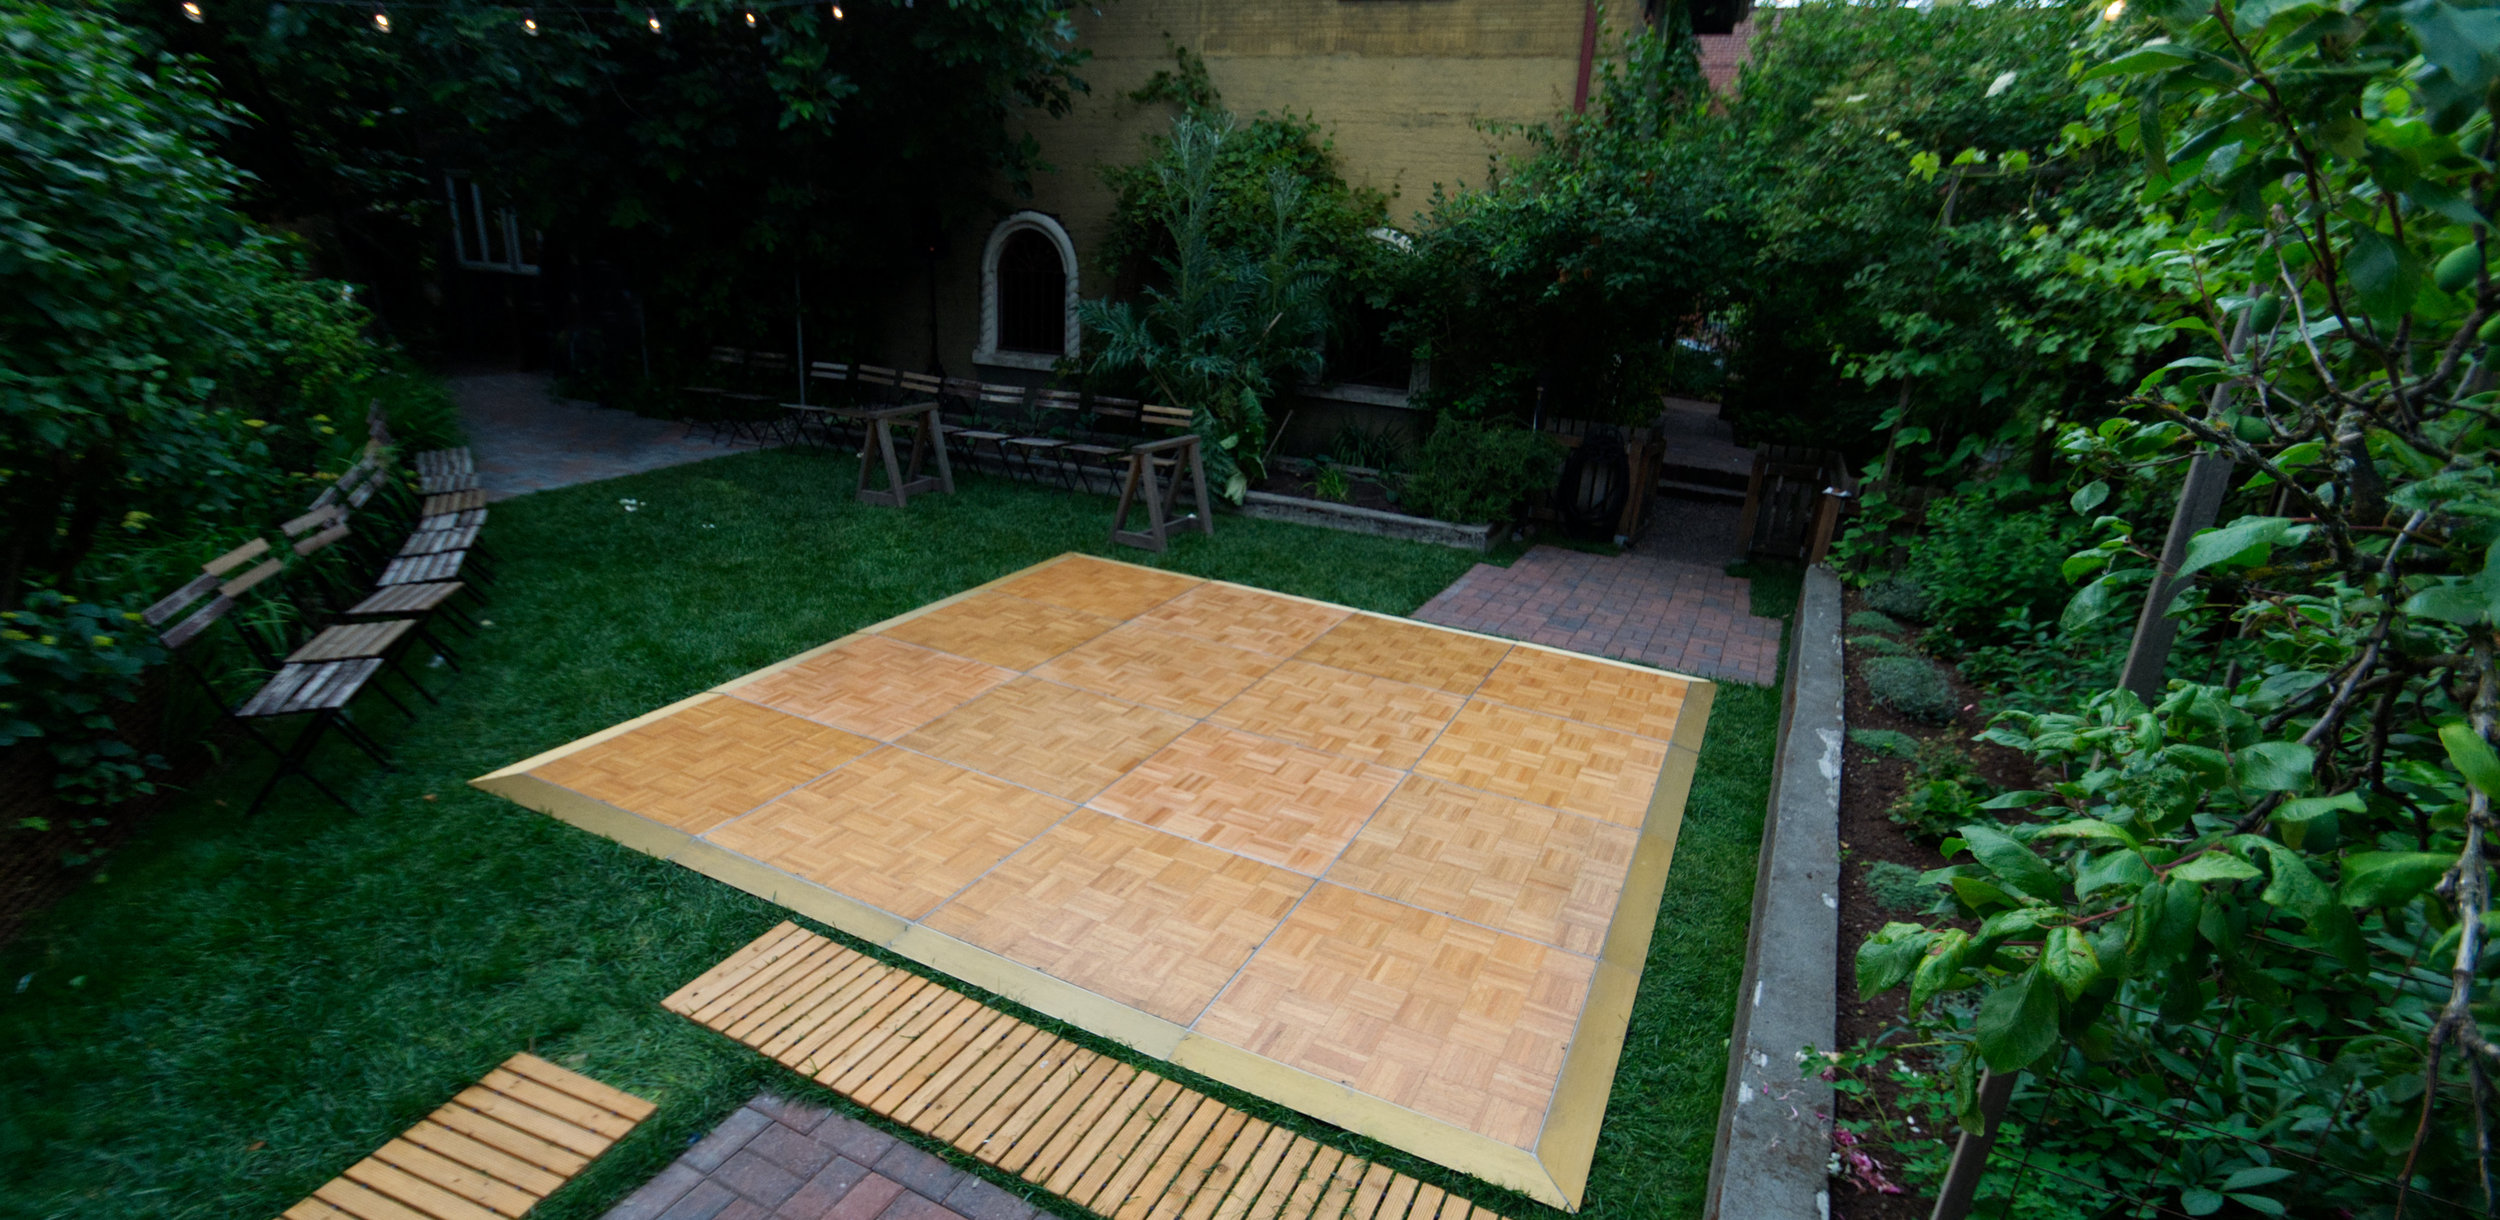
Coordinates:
[2247,540]
[2068,958]
[2086,828]
[2017,1022]
[2275,766]
[2156,57]
[2293,888]
[1978,895]
[2258,1203]
[2216,866]
[2012,862]
[2089,496]
[2390,878]
[2198,1201]
[2089,604]
[1936,971]
[2262,1175]
[2472,756]
[2120,867]
[1888,956]
[2385,275]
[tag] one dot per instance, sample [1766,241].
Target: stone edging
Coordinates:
[1772,1156]
[1347,517]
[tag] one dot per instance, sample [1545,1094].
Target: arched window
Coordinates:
[1028,294]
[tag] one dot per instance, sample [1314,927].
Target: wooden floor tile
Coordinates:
[702,766]
[1255,796]
[1066,742]
[1407,651]
[1177,673]
[1245,618]
[1153,921]
[1343,712]
[1011,631]
[1604,773]
[875,686]
[898,830]
[1602,693]
[1448,1019]
[1098,586]
[1534,871]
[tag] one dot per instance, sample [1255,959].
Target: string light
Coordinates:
[651,17]
[750,19]
[382,20]
[529,23]
[837,12]
[191,9]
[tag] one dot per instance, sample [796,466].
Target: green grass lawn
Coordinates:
[238,1009]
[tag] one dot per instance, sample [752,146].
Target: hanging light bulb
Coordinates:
[191,9]
[651,17]
[750,19]
[529,23]
[382,20]
[837,12]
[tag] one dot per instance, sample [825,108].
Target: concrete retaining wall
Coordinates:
[1774,1143]
[1366,521]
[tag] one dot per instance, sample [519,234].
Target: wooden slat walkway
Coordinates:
[1127,1144]
[498,1148]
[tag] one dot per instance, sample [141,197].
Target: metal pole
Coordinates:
[798,318]
[1970,1153]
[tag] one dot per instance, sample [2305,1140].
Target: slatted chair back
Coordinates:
[831,373]
[1006,401]
[1162,418]
[876,383]
[1118,411]
[317,530]
[770,373]
[1064,406]
[921,387]
[722,366]
[377,425]
[215,583]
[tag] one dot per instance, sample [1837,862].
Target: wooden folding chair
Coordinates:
[319,689]
[821,418]
[721,372]
[752,411]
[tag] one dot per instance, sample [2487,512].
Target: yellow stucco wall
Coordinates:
[1400,86]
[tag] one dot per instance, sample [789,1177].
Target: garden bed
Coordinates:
[1872,781]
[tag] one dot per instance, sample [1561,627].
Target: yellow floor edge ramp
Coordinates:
[495,1150]
[1123,1143]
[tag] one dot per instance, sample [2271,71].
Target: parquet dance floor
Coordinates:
[1394,876]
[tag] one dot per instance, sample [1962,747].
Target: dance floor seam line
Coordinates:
[1398,877]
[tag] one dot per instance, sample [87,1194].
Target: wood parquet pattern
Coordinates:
[1126,1144]
[495,1150]
[1356,851]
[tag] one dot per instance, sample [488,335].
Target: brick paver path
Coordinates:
[1689,617]
[526,440]
[781,1159]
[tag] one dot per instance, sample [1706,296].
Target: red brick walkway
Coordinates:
[1687,617]
[786,1161]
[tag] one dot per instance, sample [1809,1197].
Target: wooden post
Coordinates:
[2200,502]
[1970,1152]
[1753,502]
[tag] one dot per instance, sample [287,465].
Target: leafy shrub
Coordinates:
[1892,742]
[1913,687]
[1883,645]
[1473,472]
[1896,887]
[1943,795]
[64,666]
[1899,597]
[1877,621]
[1989,551]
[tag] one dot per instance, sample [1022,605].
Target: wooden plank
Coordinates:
[945,1046]
[1013,1144]
[487,1191]
[1102,1139]
[1093,1123]
[1133,1143]
[525,1175]
[812,1053]
[1394,1201]
[1244,1157]
[1245,1189]
[311,1209]
[1303,1202]
[560,1105]
[872,1061]
[959,1053]
[511,1141]
[1032,1067]
[419,1194]
[1212,1122]
[1427,1204]
[1338,1196]
[1368,1195]
[610,1098]
[1042,1149]
[365,1203]
[737,968]
[966,1077]
[792,1004]
[1290,1174]
[1015,1110]
[783,985]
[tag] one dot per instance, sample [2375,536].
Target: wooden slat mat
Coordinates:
[1127,1144]
[498,1148]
